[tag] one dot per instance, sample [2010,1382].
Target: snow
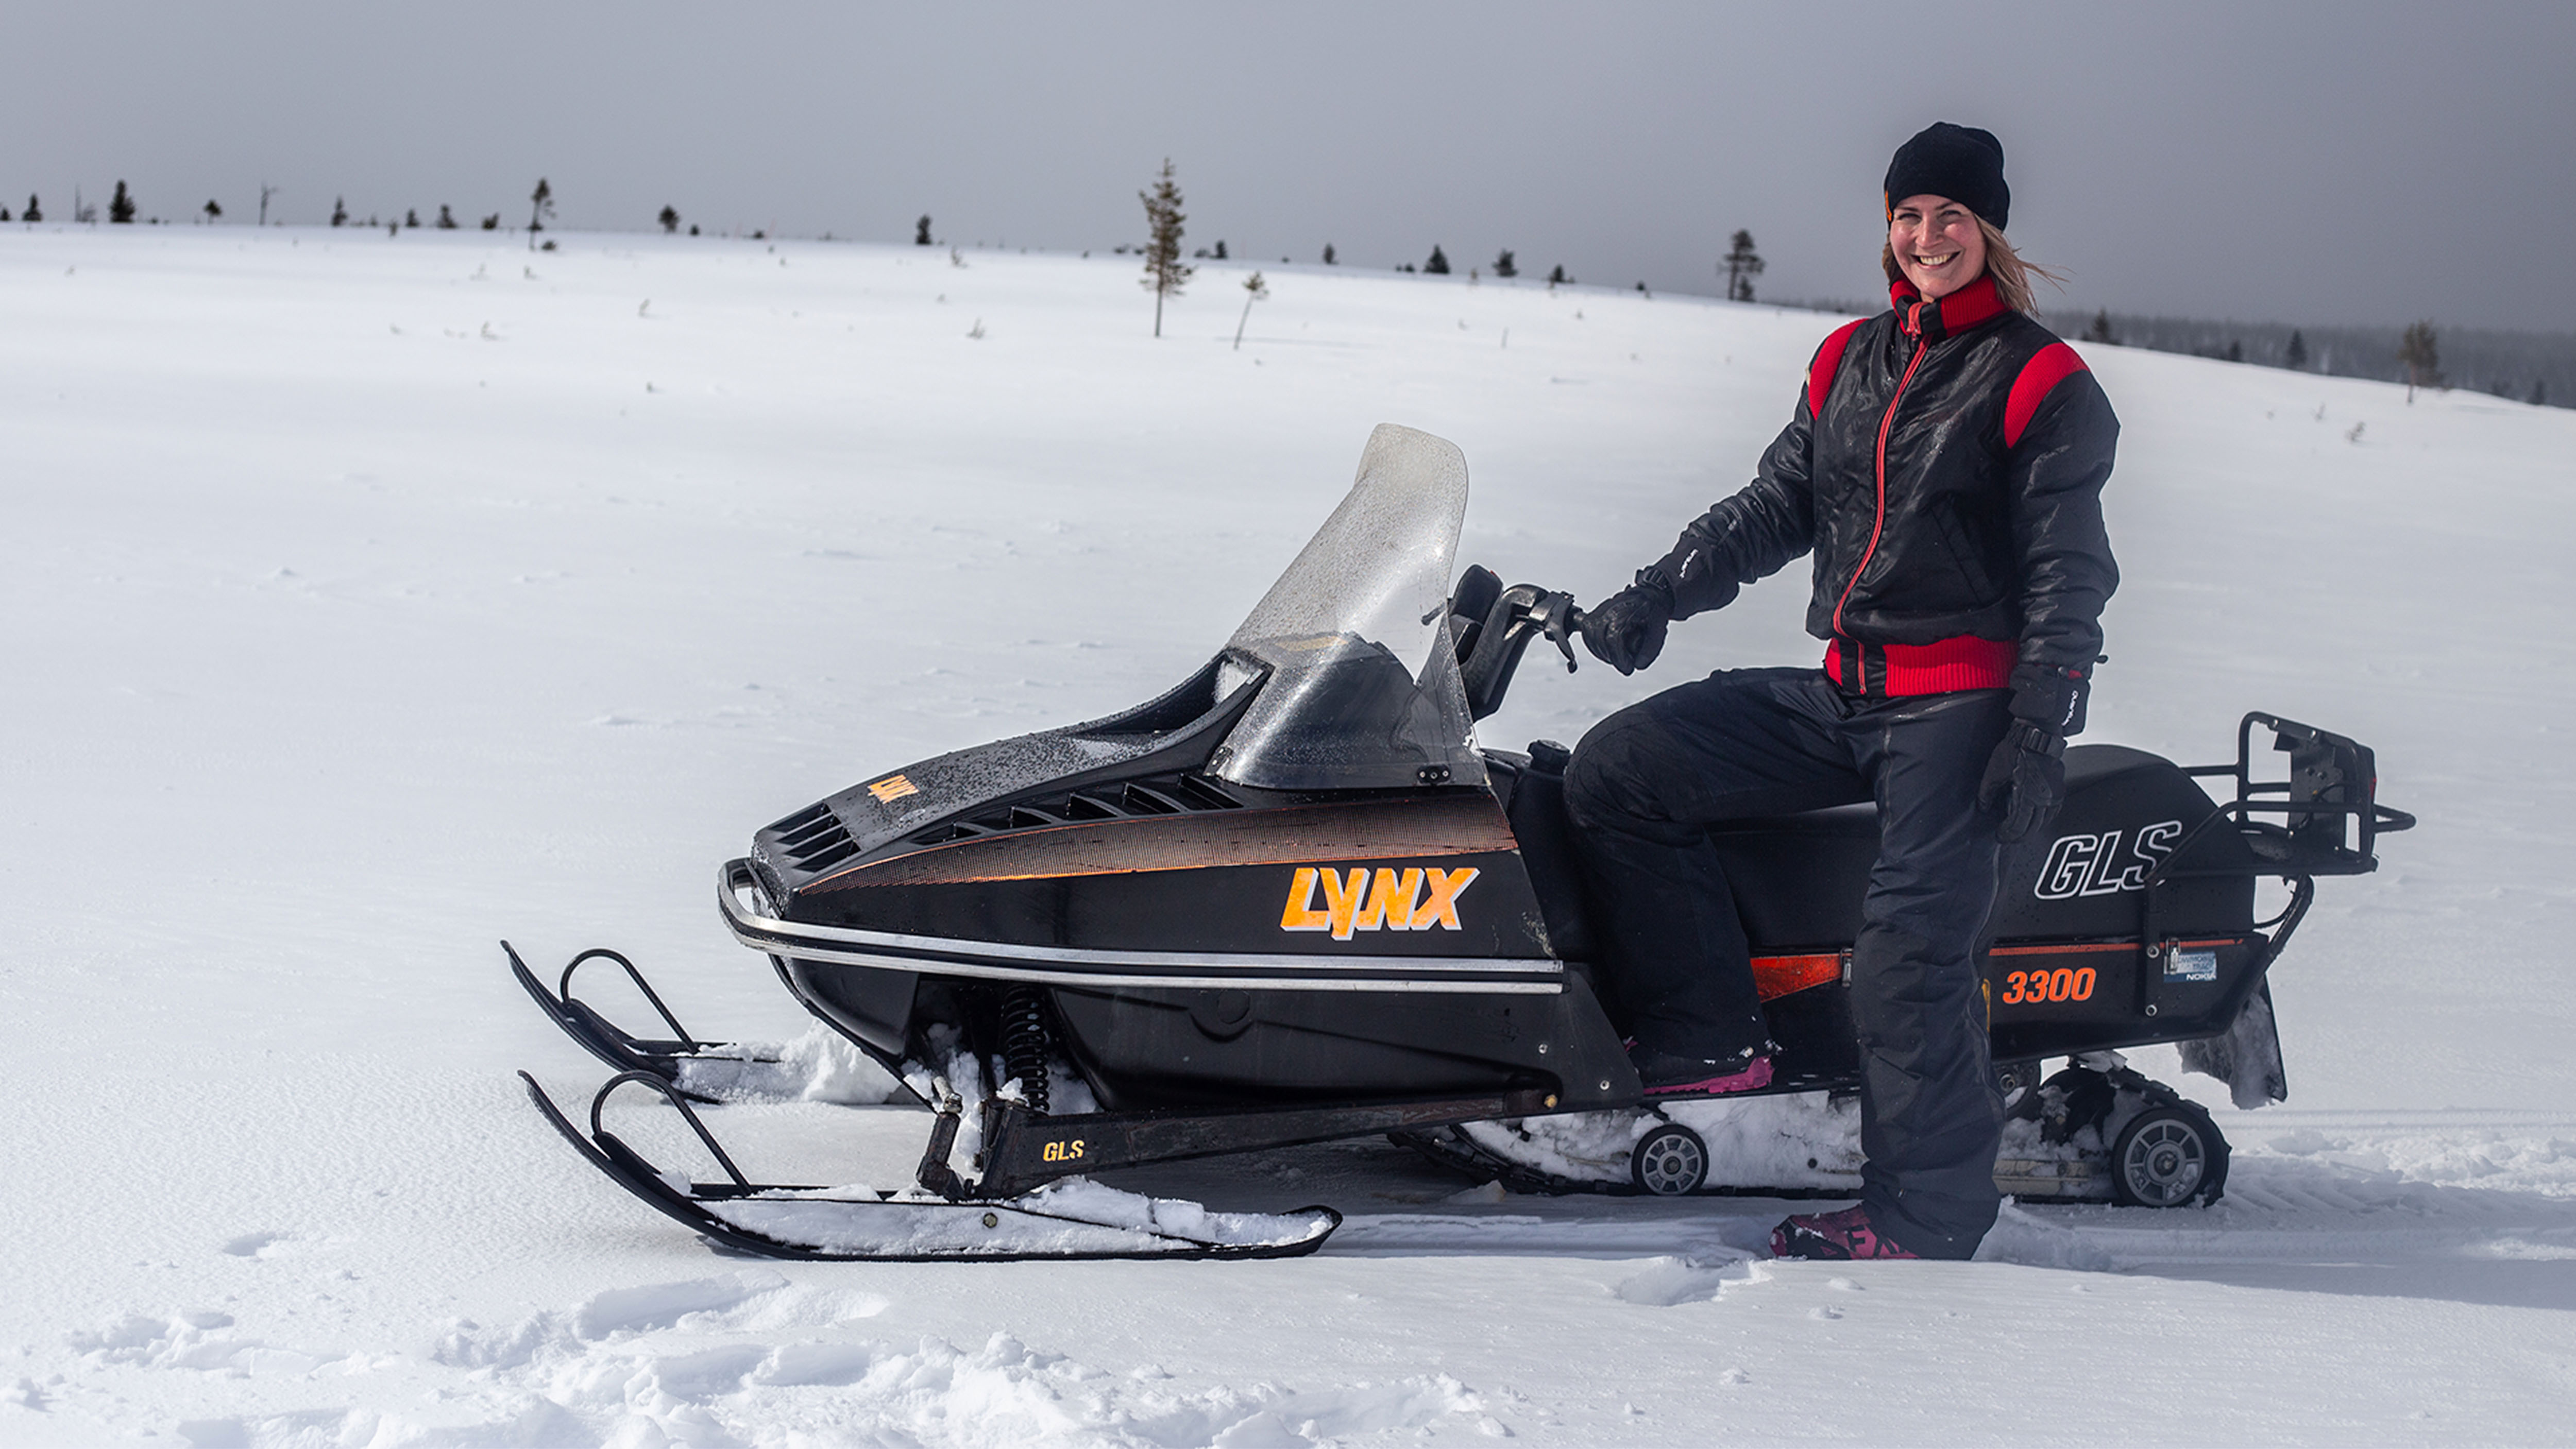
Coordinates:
[370,598]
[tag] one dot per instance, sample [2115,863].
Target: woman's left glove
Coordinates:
[1626,630]
[2025,780]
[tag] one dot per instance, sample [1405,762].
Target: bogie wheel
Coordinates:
[2168,1156]
[1670,1161]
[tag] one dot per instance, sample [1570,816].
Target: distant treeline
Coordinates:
[2525,366]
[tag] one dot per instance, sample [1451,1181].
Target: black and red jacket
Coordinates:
[1945,467]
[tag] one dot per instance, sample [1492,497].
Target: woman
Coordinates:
[1945,468]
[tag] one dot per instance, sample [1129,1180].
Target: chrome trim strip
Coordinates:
[1068,966]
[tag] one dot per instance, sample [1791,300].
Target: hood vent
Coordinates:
[1169,795]
[814,840]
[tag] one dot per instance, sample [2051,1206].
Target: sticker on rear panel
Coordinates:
[893,788]
[2183,964]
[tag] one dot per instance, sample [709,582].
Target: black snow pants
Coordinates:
[1643,789]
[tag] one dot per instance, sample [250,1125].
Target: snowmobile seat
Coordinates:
[1799,879]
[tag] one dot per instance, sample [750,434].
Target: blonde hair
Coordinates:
[2012,274]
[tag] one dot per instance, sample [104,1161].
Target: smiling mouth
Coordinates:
[1934,264]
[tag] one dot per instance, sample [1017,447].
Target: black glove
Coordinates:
[1626,630]
[2025,780]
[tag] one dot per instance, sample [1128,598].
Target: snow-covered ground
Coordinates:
[368,599]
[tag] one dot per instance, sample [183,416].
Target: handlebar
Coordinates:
[1496,624]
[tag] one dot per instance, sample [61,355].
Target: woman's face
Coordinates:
[1937,244]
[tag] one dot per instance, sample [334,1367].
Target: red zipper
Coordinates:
[1914,325]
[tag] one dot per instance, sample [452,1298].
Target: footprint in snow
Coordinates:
[256,1245]
[1669,1282]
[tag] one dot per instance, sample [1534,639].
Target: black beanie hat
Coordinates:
[1959,162]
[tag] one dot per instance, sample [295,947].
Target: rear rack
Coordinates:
[2329,823]
[2330,820]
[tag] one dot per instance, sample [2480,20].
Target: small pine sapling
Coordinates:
[670,219]
[2421,352]
[1503,267]
[1254,290]
[2296,359]
[492,222]
[921,231]
[1743,264]
[214,213]
[33,213]
[1438,266]
[1328,255]
[411,218]
[446,218]
[1556,276]
[120,207]
[1165,272]
[339,211]
[541,204]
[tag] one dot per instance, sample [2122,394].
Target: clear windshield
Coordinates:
[1363,687]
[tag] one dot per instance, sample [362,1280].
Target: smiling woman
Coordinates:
[1944,469]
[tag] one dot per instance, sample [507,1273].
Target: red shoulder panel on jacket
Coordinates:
[1829,360]
[2047,367]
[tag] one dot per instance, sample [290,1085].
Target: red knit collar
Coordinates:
[1972,304]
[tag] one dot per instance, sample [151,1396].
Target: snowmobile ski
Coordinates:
[1068,1220]
[612,1044]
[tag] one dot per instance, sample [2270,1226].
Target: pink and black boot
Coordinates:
[1667,1075]
[1845,1236]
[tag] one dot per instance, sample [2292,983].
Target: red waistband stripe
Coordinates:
[1965,662]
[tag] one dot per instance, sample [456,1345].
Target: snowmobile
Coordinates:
[1292,900]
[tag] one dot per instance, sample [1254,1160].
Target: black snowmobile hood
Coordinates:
[1176,731]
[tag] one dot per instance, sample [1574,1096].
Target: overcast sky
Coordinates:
[2300,162]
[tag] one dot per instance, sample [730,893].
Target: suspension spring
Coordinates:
[1024,1044]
